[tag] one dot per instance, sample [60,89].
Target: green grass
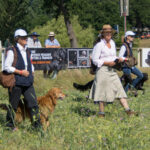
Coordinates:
[74,125]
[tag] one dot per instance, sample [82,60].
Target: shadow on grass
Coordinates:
[78,99]
[83,111]
[2,119]
[82,99]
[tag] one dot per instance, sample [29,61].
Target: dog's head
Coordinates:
[56,93]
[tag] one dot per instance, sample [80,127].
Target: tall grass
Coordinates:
[75,125]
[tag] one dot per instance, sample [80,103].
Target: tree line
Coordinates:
[29,14]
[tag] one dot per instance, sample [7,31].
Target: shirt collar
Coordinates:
[105,41]
[21,48]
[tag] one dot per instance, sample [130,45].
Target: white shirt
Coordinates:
[102,53]
[32,44]
[10,58]
[122,52]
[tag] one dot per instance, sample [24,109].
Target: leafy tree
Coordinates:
[98,12]
[62,7]
[139,14]
[84,36]
[20,14]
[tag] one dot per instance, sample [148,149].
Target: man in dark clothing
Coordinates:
[23,71]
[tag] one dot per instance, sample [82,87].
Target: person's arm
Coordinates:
[109,63]
[122,52]
[8,65]
[9,61]
[57,43]
[52,46]
[96,55]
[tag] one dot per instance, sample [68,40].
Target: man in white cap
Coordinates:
[23,71]
[125,50]
[51,42]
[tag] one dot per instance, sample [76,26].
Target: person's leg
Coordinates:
[54,75]
[49,72]
[139,75]
[127,71]
[31,100]
[101,109]
[14,98]
[124,103]
[45,73]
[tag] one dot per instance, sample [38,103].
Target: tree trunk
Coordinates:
[70,32]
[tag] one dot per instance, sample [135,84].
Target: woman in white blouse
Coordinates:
[107,85]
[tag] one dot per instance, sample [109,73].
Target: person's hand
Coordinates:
[112,63]
[25,73]
[126,59]
[121,60]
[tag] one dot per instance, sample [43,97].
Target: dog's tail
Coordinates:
[83,87]
[4,106]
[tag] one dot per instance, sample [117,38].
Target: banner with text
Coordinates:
[61,57]
[58,58]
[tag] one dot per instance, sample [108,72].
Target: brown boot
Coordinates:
[101,115]
[131,113]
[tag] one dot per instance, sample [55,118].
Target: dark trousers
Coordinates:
[30,100]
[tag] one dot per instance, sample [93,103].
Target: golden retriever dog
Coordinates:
[46,105]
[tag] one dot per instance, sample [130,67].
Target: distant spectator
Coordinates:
[33,41]
[51,42]
[7,43]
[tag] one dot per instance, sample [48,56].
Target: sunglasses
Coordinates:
[107,33]
[23,38]
[131,36]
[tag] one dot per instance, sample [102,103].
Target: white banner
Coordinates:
[145,57]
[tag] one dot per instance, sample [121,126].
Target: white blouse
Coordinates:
[32,44]
[102,53]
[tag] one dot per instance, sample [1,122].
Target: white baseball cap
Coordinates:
[128,33]
[20,32]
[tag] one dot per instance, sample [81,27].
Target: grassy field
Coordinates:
[144,43]
[75,125]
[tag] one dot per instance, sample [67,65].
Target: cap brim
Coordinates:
[22,36]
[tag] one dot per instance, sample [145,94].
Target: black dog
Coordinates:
[125,79]
[83,87]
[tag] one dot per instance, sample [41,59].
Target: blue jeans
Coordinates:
[136,72]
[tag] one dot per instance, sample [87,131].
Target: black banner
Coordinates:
[60,58]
